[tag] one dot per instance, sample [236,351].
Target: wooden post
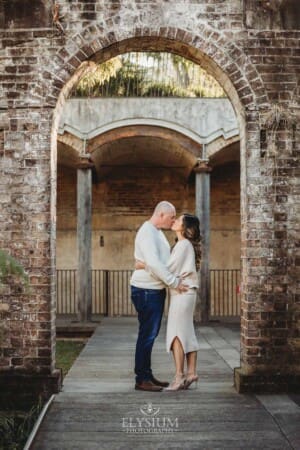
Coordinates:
[84,243]
[202,190]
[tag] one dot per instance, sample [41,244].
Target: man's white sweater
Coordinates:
[152,247]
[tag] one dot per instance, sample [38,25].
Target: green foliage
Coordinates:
[10,266]
[11,272]
[16,426]
[163,90]
[148,74]
[96,78]
[125,83]
[199,92]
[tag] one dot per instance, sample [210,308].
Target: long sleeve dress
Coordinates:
[180,317]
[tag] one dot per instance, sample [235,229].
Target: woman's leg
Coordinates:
[178,355]
[191,376]
[191,359]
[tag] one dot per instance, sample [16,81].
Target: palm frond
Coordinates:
[138,74]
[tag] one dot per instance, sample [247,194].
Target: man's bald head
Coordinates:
[164,215]
[164,207]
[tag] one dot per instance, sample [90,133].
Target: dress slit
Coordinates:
[180,340]
[180,322]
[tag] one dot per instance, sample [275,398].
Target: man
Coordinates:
[148,290]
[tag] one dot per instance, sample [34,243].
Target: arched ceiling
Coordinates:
[226,154]
[134,146]
[67,155]
[143,151]
[141,147]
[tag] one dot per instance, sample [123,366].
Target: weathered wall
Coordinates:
[274,14]
[203,119]
[256,63]
[119,208]
[120,204]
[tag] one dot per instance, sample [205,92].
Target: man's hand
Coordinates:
[185,275]
[182,287]
[139,264]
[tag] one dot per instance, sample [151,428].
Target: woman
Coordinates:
[181,339]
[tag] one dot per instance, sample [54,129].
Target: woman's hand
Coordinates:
[139,264]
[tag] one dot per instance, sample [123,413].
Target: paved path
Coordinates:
[99,409]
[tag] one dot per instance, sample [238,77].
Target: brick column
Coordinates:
[202,191]
[270,338]
[27,232]
[84,241]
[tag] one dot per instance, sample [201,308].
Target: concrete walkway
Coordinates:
[99,409]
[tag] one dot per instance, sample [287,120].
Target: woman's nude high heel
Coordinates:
[191,378]
[177,383]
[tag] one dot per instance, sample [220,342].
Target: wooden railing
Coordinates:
[224,292]
[111,292]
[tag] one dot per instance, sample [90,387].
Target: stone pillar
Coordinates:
[84,242]
[202,190]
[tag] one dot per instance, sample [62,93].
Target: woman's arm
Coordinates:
[140,265]
[182,258]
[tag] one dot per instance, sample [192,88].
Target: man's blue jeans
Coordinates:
[149,304]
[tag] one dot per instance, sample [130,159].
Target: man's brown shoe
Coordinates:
[148,386]
[159,383]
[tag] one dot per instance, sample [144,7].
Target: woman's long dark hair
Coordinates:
[191,231]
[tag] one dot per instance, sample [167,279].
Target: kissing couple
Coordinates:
[158,268]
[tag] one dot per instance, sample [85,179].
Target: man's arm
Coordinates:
[139,265]
[148,246]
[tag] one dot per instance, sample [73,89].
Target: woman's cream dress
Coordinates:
[180,317]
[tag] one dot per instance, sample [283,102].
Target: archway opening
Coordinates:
[144,117]
[115,145]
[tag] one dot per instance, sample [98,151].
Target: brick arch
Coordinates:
[214,51]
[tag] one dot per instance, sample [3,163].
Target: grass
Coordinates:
[67,351]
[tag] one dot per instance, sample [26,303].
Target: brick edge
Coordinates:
[270,383]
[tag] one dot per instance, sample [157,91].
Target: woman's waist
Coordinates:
[191,291]
[192,280]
